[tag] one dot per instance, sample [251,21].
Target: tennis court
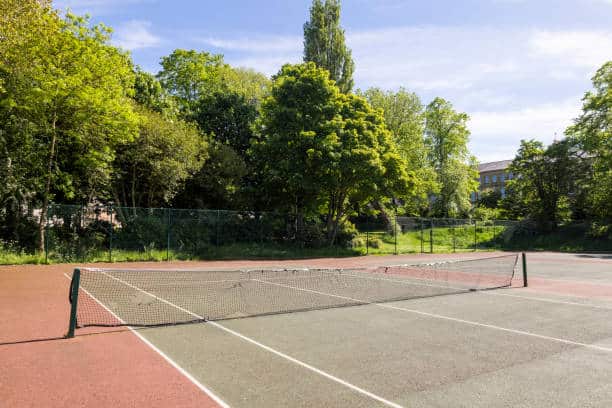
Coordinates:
[358,332]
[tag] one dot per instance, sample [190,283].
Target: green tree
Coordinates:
[324,43]
[149,93]
[248,83]
[320,150]
[72,88]
[593,133]
[189,75]
[296,138]
[446,138]
[228,118]
[152,169]
[546,183]
[365,164]
[404,117]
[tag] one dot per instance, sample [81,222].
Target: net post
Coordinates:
[74,295]
[524,259]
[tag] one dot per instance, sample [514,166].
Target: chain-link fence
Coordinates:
[429,235]
[110,233]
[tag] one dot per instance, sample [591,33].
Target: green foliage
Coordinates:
[151,170]
[489,199]
[253,86]
[548,182]
[229,118]
[404,117]
[324,43]
[592,132]
[217,184]
[149,93]
[446,137]
[70,89]
[189,75]
[320,149]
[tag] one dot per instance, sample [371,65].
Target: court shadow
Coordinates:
[597,256]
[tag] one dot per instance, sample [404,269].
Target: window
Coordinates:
[503,192]
[486,180]
[495,178]
[473,196]
[502,178]
[510,176]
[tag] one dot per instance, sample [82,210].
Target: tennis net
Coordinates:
[147,297]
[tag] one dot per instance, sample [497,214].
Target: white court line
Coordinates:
[174,364]
[489,293]
[454,319]
[263,346]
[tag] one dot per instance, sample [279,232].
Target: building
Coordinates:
[493,176]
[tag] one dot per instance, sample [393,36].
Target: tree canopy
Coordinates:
[324,43]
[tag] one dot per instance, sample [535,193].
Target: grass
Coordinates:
[438,239]
[459,239]
[234,251]
[10,257]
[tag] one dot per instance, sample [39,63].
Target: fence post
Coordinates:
[454,237]
[167,234]
[110,234]
[46,236]
[395,226]
[524,257]
[431,236]
[367,239]
[422,244]
[475,235]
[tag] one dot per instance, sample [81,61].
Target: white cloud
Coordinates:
[135,34]
[281,44]
[510,81]
[579,48]
[498,133]
[97,7]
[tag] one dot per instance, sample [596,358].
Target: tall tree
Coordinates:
[324,43]
[593,132]
[320,149]
[446,136]
[547,182]
[72,87]
[404,117]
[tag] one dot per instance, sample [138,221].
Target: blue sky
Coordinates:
[519,68]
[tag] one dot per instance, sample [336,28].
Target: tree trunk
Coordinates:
[43,213]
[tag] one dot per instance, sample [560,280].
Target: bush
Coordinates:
[375,243]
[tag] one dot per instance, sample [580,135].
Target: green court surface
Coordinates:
[499,348]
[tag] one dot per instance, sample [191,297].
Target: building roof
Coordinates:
[494,166]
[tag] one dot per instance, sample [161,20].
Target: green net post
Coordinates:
[524,259]
[74,297]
